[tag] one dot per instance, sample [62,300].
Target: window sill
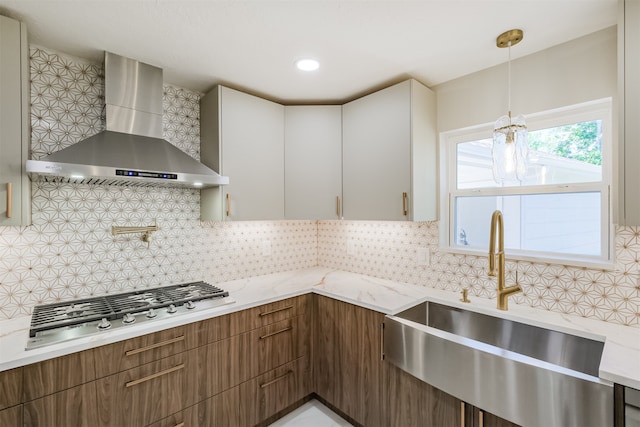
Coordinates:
[542,259]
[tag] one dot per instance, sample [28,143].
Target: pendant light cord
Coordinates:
[509,83]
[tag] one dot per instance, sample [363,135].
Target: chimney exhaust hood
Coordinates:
[131,151]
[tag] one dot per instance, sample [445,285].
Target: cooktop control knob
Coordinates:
[151,313]
[190,305]
[104,324]
[128,319]
[172,309]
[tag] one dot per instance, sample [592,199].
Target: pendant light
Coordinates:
[510,147]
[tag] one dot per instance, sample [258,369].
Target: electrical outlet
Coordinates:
[422,257]
[266,248]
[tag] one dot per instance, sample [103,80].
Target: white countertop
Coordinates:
[620,359]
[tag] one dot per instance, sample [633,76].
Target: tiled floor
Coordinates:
[311,414]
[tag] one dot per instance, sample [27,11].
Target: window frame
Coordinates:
[600,109]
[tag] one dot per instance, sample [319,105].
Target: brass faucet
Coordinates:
[504,293]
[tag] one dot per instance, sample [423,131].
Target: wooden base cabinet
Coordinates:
[412,402]
[348,368]
[232,370]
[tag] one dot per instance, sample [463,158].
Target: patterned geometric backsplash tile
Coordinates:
[69,252]
[390,250]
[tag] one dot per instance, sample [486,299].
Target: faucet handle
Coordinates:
[465,295]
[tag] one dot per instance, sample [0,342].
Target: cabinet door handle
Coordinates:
[152,346]
[152,376]
[275,380]
[228,204]
[338,206]
[266,313]
[9,205]
[180,425]
[405,207]
[481,419]
[462,420]
[382,341]
[288,328]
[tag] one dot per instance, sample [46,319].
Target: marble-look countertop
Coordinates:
[620,359]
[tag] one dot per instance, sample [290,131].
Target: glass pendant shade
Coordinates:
[510,149]
[510,146]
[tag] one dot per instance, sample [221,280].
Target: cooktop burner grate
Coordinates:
[51,316]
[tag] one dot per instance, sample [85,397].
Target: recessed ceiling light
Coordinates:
[307,64]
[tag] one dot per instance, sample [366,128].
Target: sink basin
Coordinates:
[529,375]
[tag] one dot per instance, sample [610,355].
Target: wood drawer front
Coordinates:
[124,355]
[72,407]
[277,344]
[267,314]
[218,367]
[10,388]
[142,395]
[220,410]
[274,391]
[61,373]
[11,416]
[209,331]
[174,420]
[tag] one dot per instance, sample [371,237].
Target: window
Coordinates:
[560,210]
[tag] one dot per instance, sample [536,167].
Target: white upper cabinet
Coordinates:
[629,132]
[15,189]
[242,137]
[389,155]
[313,161]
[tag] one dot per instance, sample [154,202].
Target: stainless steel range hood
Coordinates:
[131,150]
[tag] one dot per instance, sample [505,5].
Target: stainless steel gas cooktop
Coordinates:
[63,321]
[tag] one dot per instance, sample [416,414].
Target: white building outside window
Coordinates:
[562,209]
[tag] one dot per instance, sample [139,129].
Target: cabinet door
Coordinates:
[412,402]
[348,370]
[15,192]
[377,154]
[486,419]
[313,162]
[251,144]
[629,69]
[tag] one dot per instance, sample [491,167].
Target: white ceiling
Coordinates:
[361,45]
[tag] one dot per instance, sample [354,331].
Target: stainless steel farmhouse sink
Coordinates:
[526,374]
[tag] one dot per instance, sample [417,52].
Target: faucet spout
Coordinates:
[497,261]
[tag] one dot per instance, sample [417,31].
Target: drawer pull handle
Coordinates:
[152,346]
[276,332]
[9,197]
[156,375]
[228,203]
[266,313]
[275,380]
[338,206]
[405,208]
